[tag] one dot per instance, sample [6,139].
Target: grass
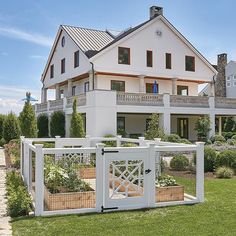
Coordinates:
[217,216]
[188,183]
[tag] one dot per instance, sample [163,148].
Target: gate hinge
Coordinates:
[147,171]
[108,208]
[108,151]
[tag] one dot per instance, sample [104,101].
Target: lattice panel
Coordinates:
[126,179]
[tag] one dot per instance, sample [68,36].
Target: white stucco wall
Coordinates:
[230,73]
[147,39]
[66,52]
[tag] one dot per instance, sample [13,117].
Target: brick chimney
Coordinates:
[155,11]
[220,84]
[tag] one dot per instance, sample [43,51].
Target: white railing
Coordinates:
[227,103]
[81,100]
[149,152]
[56,105]
[139,99]
[41,107]
[188,101]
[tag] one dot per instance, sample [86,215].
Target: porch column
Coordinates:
[44,95]
[165,122]
[57,91]
[67,125]
[212,89]
[142,84]
[91,80]
[212,124]
[69,85]
[174,86]
[220,125]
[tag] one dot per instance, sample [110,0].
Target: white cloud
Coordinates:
[37,57]
[8,105]
[26,36]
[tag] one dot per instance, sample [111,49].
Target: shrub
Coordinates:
[227,135]
[154,130]
[208,142]
[2,142]
[42,123]
[226,158]
[109,143]
[27,120]
[77,124]
[2,118]
[218,138]
[121,132]
[231,142]
[173,138]
[165,180]
[219,143]
[234,137]
[202,127]
[57,124]
[19,201]
[184,140]
[179,162]
[129,145]
[224,173]
[11,128]
[209,159]
[229,124]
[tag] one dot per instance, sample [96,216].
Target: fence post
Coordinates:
[88,143]
[200,171]
[26,163]
[57,142]
[39,179]
[142,141]
[151,176]
[118,140]
[158,159]
[99,176]
[22,140]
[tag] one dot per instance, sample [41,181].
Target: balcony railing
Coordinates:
[139,99]
[188,101]
[81,100]
[42,107]
[56,105]
[227,103]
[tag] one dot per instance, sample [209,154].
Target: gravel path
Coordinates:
[5,227]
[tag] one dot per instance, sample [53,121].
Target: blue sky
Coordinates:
[28,28]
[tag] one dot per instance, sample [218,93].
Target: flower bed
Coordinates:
[170,193]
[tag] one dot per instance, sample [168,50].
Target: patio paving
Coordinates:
[5,227]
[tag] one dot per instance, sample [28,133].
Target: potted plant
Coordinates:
[168,190]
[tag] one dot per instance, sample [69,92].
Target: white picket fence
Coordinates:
[146,156]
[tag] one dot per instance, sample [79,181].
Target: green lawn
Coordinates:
[217,216]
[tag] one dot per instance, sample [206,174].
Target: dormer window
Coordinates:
[124,56]
[189,63]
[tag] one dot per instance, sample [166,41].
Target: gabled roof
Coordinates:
[90,41]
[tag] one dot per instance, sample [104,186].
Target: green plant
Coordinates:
[121,132]
[11,128]
[2,142]
[179,162]
[224,172]
[219,143]
[42,123]
[226,158]
[227,135]
[218,138]
[2,118]
[234,137]
[185,141]
[129,145]
[173,138]
[57,124]
[77,124]
[229,124]
[208,142]
[165,180]
[202,127]
[109,143]
[19,201]
[154,130]
[27,121]
[231,142]
[209,159]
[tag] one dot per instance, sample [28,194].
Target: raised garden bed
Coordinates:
[170,193]
[87,173]
[72,200]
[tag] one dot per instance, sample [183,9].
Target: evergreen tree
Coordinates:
[2,118]
[42,123]
[202,127]
[154,131]
[11,128]
[28,123]
[77,124]
[57,124]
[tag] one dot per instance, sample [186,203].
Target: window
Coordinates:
[61,93]
[63,62]
[168,61]
[51,71]
[124,56]
[149,58]
[182,90]
[63,41]
[76,59]
[182,127]
[120,123]
[234,83]
[147,123]
[86,87]
[228,78]
[189,63]
[150,88]
[228,84]
[73,90]
[234,77]
[118,85]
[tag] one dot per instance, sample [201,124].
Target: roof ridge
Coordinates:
[105,31]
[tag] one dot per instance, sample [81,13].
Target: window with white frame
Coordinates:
[234,84]
[234,77]
[228,84]
[228,78]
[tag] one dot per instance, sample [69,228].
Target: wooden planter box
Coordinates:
[74,200]
[170,193]
[87,173]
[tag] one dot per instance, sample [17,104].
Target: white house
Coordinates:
[230,73]
[119,81]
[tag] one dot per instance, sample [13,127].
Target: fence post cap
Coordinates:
[101,145]
[57,136]
[87,136]
[38,145]
[200,143]
[119,136]
[141,138]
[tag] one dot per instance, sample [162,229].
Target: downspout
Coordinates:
[93,73]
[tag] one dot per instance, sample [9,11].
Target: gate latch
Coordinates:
[147,171]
